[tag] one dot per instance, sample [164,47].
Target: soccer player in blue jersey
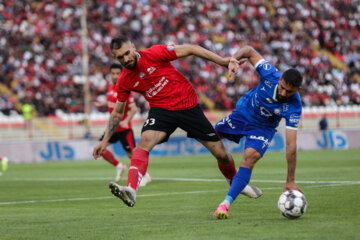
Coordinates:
[256,116]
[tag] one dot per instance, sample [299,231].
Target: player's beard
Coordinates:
[132,65]
[281,99]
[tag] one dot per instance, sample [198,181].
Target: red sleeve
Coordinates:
[122,93]
[131,99]
[163,53]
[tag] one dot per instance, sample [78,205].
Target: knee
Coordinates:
[220,153]
[250,160]
[146,142]
[222,156]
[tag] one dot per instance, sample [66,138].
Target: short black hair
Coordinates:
[117,66]
[117,42]
[292,77]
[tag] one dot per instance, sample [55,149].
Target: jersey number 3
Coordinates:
[149,121]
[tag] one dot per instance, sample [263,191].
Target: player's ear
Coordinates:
[298,88]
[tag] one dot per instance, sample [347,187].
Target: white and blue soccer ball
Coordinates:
[292,204]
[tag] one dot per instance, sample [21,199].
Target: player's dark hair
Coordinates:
[117,42]
[117,66]
[292,77]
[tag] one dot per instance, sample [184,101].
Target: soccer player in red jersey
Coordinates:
[173,103]
[124,133]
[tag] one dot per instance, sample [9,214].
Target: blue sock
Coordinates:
[241,179]
[229,198]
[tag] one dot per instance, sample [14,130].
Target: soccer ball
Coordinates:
[292,204]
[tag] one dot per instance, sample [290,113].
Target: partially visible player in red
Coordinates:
[173,103]
[124,133]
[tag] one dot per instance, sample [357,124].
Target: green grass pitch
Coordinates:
[71,200]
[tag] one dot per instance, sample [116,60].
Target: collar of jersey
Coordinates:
[275,89]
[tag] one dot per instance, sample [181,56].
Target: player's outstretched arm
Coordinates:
[115,118]
[291,160]
[248,52]
[187,50]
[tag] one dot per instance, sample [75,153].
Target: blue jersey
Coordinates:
[260,107]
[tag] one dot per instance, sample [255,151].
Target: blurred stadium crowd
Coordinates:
[40,47]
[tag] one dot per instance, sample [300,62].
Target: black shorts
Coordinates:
[125,137]
[192,121]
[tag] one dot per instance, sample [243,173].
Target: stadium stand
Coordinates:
[40,47]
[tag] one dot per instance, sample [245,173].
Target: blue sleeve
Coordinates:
[267,71]
[293,120]
[294,115]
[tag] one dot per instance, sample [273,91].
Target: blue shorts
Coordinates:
[257,137]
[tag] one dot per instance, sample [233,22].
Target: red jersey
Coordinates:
[157,80]
[111,100]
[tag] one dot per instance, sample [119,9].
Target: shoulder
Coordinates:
[152,53]
[153,49]
[265,68]
[162,53]
[297,98]
[293,114]
[295,103]
[263,65]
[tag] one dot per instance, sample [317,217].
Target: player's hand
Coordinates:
[99,150]
[291,186]
[233,66]
[124,124]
